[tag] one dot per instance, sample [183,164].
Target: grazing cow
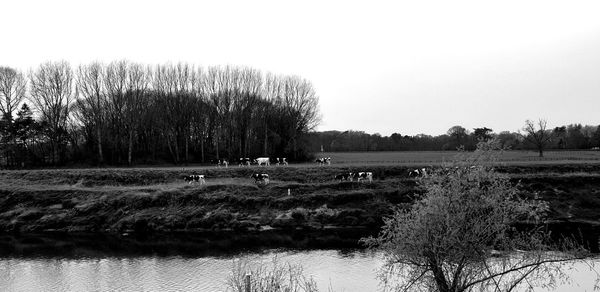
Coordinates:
[320,161]
[220,162]
[225,162]
[199,178]
[260,178]
[363,175]
[244,161]
[284,161]
[263,160]
[344,176]
[414,172]
[277,161]
[417,172]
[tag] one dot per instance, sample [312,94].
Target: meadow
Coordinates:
[157,200]
[436,157]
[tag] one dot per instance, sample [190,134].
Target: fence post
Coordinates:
[248,287]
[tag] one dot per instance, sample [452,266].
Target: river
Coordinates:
[342,270]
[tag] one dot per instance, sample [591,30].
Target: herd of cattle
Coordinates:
[259,178]
[263,178]
[248,162]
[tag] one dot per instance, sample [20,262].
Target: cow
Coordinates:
[414,172]
[363,175]
[324,160]
[225,162]
[193,178]
[244,161]
[260,178]
[417,172]
[220,162]
[280,161]
[263,160]
[344,176]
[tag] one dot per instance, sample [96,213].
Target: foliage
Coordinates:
[538,135]
[273,277]
[125,112]
[461,235]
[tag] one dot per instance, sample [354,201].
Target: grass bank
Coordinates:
[146,201]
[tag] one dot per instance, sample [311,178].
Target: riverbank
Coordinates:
[154,201]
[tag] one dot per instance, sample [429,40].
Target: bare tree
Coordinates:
[92,100]
[52,95]
[13,87]
[460,234]
[539,137]
[138,80]
[115,79]
[298,108]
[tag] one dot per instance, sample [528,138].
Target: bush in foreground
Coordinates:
[460,234]
[274,277]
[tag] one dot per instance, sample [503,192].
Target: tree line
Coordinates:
[125,113]
[534,135]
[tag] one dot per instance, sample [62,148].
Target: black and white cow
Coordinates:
[417,172]
[263,160]
[195,178]
[244,161]
[220,162]
[284,161]
[260,178]
[344,176]
[324,160]
[363,175]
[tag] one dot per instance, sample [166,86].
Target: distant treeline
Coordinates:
[125,113]
[574,136]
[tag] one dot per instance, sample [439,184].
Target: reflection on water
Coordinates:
[349,270]
[344,271]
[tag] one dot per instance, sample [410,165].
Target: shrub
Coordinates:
[274,277]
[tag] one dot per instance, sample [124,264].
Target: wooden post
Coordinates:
[248,287]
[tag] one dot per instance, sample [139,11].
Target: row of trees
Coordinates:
[125,113]
[533,136]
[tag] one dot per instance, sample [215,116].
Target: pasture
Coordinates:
[158,199]
[435,157]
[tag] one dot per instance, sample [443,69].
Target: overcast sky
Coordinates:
[406,67]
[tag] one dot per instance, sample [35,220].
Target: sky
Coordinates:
[385,67]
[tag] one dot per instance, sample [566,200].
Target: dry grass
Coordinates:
[157,199]
[436,157]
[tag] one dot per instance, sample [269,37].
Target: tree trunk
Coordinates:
[100,154]
[176,149]
[438,276]
[217,144]
[171,150]
[130,147]
[202,147]
[187,156]
[266,138]
[541,151]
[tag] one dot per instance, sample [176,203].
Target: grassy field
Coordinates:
[144,200]
[436,157]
